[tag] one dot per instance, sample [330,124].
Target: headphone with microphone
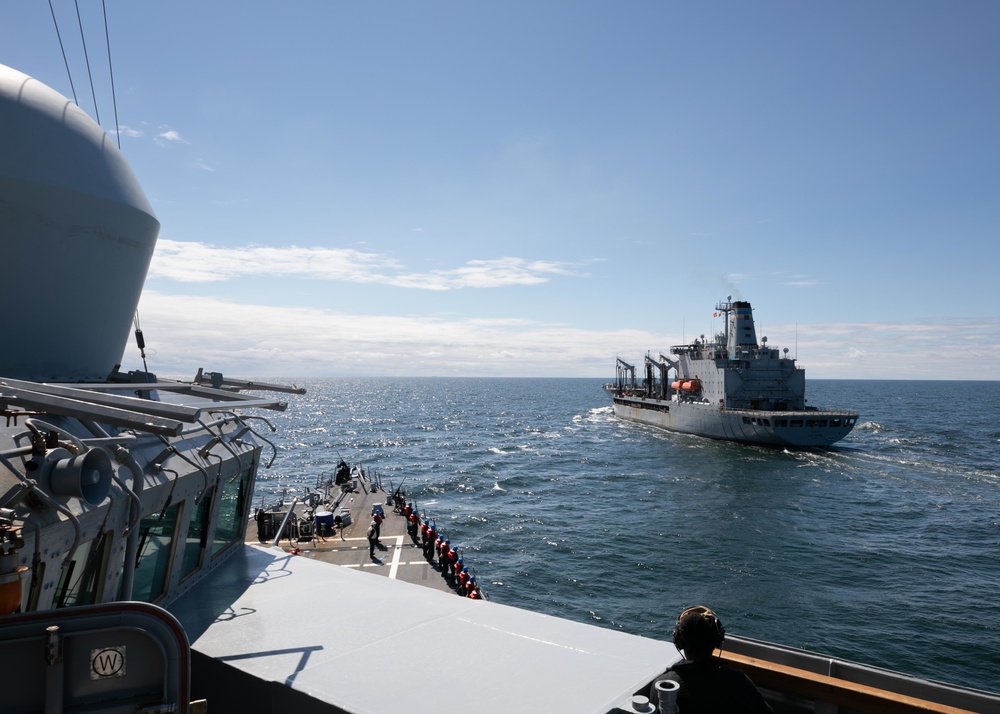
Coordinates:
[698,625]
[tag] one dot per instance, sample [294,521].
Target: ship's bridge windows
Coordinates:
[80,580]
[197,535]
[781,422]
[233,502]
[157,533]
[795,422]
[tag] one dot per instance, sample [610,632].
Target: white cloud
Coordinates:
[261,341]
[129,132]
[485,274]
[199,262]
[170,136]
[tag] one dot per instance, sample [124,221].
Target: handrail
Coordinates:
[821,687]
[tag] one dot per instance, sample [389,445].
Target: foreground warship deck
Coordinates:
[398,558]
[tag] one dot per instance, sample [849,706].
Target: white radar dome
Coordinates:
[76,238]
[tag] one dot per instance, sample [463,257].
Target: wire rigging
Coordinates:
[86,58]
[62,48]
[114,102]
[111,73]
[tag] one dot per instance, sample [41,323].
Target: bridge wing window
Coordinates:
[197,535]
[80,581]
[157,533]
[232,520]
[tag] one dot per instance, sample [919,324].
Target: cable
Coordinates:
[111,72]
[63,50]
[86,57]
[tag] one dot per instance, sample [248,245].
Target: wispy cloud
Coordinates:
[261,340]
[129,132]
[199,262]
[487,274]
[796,280]
[169,136]
[271,340]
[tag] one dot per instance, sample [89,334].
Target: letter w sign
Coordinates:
[107,662]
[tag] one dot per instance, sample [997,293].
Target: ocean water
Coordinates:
[883,550]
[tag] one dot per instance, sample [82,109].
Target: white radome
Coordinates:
[73,220]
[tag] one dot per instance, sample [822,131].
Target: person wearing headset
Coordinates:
[706,685]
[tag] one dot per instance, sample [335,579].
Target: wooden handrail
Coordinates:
[821,687]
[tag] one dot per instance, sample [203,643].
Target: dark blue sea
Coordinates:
[883,550]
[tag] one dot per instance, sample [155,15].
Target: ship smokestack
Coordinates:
[742,333]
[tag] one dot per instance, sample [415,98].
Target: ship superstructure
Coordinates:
[730,387]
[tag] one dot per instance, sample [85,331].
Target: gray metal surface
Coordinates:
[113,658]
[729,388]
[342,637]
[743,425]
[78,236]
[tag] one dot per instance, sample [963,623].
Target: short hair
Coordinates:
[698,629]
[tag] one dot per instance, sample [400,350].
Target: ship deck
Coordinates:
[398,557]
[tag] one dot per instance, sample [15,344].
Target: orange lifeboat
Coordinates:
[686,385]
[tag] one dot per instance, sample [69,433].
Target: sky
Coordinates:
[536,188]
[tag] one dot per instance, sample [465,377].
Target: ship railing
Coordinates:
[789,413]
[842,685]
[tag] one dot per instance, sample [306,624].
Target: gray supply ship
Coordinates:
[127,582]
[728,388]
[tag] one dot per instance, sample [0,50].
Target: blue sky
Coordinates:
[532,189]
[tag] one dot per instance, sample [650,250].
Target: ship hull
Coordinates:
[797,429]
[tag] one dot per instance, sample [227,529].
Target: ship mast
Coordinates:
[725,308]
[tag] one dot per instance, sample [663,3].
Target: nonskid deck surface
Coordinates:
[398,556]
